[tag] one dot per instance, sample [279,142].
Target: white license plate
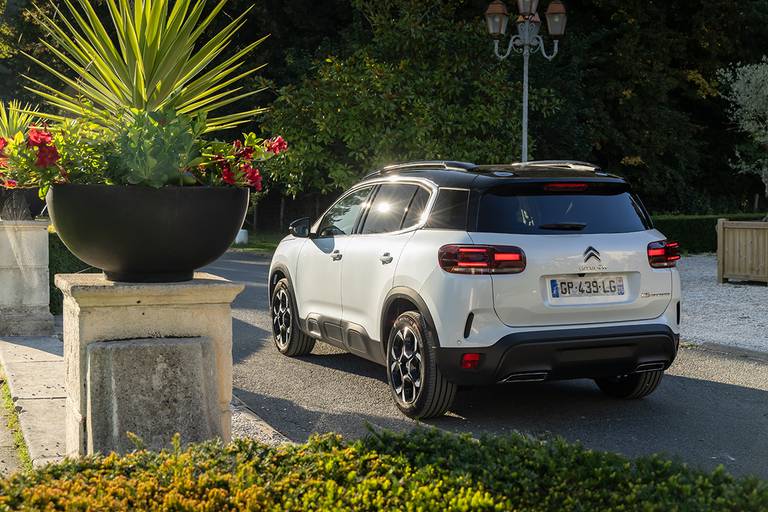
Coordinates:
[603,286]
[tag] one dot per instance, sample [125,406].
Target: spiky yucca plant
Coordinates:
[14,118]
[156,61]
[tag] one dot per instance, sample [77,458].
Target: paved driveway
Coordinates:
[711,409]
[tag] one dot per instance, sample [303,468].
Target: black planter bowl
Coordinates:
[147,235]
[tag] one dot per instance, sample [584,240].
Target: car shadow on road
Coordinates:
[298,423]
[349,363]
[703,423]
[250,339]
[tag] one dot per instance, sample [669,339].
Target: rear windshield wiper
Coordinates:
[565,226]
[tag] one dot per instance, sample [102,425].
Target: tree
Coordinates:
[747,93]
[419,86]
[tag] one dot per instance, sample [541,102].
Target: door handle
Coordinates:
[336,255]
[386,258]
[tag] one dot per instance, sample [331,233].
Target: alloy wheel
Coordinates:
[405,365]
[282,319]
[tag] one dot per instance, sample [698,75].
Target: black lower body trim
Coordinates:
[565,354]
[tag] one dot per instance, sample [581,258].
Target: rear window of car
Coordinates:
[532,210]
[450,210]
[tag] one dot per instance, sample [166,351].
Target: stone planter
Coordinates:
[24,292]
[147,235]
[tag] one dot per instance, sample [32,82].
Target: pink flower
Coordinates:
[47,156]
[10,184]
[3,144]
[277,145]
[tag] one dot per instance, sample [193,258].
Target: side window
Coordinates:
[388,208]
[416,208]
[341,218]
[450,210]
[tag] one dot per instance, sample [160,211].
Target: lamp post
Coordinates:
[527,40]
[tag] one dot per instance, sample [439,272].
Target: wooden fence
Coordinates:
[742,251]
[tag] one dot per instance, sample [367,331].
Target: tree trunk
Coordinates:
[282,213]
[255,220]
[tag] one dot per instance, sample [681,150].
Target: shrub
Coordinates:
[421,470]
[696,233]
[60,261]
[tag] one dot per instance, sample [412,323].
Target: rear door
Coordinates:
[586,255]
[372,255]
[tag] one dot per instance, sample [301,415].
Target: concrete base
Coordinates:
[152,388]
[24,294]
[131,365]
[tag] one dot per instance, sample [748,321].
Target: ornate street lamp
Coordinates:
[527,40]
[497,19]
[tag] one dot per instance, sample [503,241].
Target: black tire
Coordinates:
[411,355]
[289,339]
[635,385]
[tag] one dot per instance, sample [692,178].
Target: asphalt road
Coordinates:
[711,408]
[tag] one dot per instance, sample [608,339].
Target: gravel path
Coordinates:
[733,314]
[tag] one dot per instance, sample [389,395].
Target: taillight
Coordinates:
[663,254]
[565,187]
[481,259]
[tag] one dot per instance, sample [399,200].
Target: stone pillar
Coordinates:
[24,287]
[150,358]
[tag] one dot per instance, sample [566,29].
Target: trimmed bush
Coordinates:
[60,261]
[421,470]
[696,233]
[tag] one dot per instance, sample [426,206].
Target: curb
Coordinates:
[728,350]
[247,424]
[34,369]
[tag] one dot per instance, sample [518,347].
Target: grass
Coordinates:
[260,243]
[14,426]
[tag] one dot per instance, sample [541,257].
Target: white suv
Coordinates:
[454,274]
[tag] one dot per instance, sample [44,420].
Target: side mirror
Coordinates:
[300,227]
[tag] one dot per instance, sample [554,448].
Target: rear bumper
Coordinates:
[564,354]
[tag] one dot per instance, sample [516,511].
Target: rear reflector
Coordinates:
[663,254]
[470,361]
[481,259]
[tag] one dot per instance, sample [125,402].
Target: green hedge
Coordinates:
[60,261]
[696,233]
[422,470]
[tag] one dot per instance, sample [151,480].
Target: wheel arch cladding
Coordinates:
[278,272]
[398,301]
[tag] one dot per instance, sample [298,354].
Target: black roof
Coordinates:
[469,175]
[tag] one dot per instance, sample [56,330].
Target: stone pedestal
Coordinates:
[24,288]
[153,359]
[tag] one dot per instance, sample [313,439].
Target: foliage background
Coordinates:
[635,89]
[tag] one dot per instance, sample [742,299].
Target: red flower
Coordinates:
[252,176]
[47,156]
[277,145]
[37,137]
[10,184]
[227,175]
[247,153]
[3,144]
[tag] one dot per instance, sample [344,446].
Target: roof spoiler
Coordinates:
[573,165]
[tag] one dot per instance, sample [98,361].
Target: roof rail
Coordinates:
[428,165]
[566,164]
